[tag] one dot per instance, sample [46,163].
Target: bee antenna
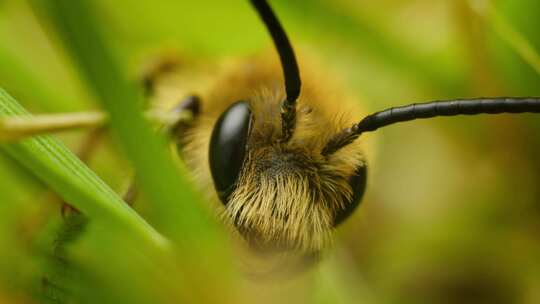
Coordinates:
[289,65]
[432,109]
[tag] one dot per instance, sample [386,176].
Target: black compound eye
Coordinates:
[228,147]
[358,184]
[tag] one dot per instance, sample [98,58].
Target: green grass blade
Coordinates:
[59,168]
[173,200]
[515,39]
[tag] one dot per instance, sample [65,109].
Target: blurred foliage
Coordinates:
[452,217]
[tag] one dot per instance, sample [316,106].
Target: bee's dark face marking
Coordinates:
[228,147]
[277,161]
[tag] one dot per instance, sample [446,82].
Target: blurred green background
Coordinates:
[452,210]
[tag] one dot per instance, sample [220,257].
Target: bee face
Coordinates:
[261,149]
[281,196]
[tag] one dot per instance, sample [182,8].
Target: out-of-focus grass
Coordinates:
[157,175]
[62,171]
[451,213]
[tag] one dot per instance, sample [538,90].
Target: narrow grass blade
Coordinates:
[178,213]
[15,128]
[57,167]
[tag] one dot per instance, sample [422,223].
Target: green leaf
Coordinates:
[178,213]
[60,169]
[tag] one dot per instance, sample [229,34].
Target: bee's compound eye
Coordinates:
[358,184]
[228,147]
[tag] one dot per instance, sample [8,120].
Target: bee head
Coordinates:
[282,195]
[268,167]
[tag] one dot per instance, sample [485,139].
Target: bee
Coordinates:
[281,152]
[255,146]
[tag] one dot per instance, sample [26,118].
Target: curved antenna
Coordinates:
[432,109]
[291,73]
